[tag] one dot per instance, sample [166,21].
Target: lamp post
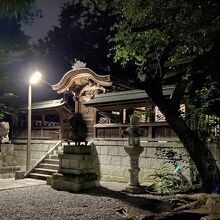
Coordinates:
[33,80]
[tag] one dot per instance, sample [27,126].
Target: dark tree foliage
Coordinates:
[12,39]
[161,35]
[15,8]
[206,73]
[13,45]
[83,34]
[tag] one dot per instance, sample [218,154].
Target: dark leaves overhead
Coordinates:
[15,8]
[83,34]
[148,26]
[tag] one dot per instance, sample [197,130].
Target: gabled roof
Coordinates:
[44,105]
[80,76]
[136,95]
[117,97]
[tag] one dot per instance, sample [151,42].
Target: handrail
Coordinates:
[147,124]
[142,139]
[42,158]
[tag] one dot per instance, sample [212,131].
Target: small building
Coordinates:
[49,120]
[113,111]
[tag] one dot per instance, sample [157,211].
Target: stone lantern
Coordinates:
[134,150]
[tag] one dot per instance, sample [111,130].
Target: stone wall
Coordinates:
[113,162]
[8,163]
[38,149]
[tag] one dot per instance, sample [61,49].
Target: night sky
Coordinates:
[53,69]
[38,29]
[40,26]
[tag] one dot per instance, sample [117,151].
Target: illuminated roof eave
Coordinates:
[71,76]
[49,104]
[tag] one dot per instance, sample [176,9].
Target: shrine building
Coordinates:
[106,108]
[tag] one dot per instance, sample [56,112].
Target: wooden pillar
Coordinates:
[42,124]
[124,115]
[120,122]
[61,125]
[94,122]
[77,110]
[151,120]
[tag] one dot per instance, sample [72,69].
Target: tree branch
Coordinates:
[165,55]
[179,90]
[150,82]
[153,25]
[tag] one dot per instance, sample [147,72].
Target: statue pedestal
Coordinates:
[134,185]
[8,164]
[76,170]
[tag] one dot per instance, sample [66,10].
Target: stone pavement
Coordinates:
[12,183]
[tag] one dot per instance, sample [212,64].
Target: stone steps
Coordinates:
[38,176]
[54,156]
[49,166]
[44,171]
[51,161]
[46,168]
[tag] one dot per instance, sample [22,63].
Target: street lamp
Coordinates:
[33,80]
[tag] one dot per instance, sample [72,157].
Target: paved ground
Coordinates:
[12,183]
[33,199]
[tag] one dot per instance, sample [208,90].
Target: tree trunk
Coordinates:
[197,149]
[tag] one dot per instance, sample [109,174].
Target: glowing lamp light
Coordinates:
[35,77]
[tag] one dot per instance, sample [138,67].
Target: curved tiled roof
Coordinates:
[125,96]
[44,105]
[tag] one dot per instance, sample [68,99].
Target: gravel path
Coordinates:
[42,202]
[34,201]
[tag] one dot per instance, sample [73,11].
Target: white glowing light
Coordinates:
[35,77]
